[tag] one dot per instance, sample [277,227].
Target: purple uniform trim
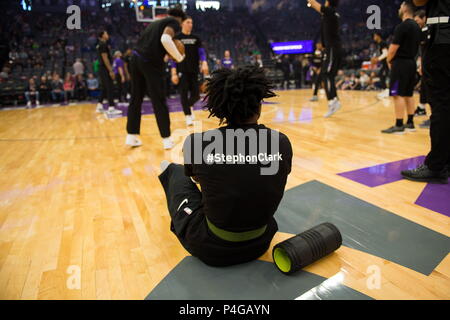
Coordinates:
[202,54]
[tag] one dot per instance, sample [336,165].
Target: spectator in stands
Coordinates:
[78,67]
[340,78]
[44,89]
[32,90]
[259,61]
[217,65]
[364,80]
[4,74]
[58,93]
[347,84]
[80,88]
[373,80]
[92,85]
[69,86]
[227,62]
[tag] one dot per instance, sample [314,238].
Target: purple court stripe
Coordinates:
[384,173]
[174,105]
[436,197]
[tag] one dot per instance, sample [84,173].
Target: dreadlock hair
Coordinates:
[234,96]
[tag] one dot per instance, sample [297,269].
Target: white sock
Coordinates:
[422,106]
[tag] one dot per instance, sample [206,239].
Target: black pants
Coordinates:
[384,71]
[189,91]
[188,223]
[436,70]
[106,86]
[317,80]
[146,79]
[423,92]
[121,88]
[330,68]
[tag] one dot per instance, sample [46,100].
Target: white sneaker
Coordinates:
[37,103]
[168,143]
[192,113]
[164,165]
[29,104]
[133,140]
[113,111]
[333,107]
[189,121]
[383,95]
[100,108]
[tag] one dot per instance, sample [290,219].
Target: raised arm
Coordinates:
[315,5]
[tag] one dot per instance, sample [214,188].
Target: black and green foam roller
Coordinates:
[300,251]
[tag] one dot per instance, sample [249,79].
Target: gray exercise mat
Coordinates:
[364,227]
[258,280]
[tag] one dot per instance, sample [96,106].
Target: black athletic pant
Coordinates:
[384,71]
[146,79]
[317,80]
[121,88]
[436,70]
[423,92]
[330,68]
[189,91]
[106,86]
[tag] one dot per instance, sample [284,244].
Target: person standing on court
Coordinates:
[147,75]
[186,73]
[331,40]
[436,73]
[316,64]
[402,63]
[381,58]
[421,19]
[106,75]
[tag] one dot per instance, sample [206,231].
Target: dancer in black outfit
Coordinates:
[147,75]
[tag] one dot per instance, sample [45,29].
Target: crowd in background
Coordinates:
[61,64]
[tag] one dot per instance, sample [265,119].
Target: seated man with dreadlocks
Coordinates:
[241,168]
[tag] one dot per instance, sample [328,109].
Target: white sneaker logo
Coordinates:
[181,204]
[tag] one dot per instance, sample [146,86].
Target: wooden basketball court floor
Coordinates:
[73,196]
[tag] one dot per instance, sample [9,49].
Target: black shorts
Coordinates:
[403,78]
[184,201]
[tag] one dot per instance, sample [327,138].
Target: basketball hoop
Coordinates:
[149,13]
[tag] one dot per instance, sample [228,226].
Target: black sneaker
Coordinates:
[420,112]
[409,127]
[425,124]
[394,130]
[423,174]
